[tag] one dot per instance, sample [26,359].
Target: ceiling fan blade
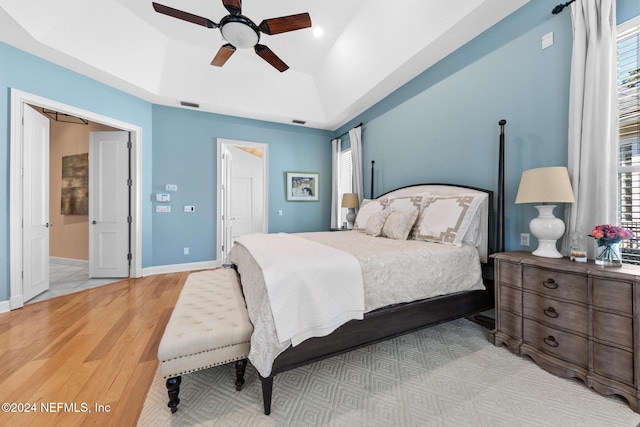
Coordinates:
[223,54]
[233,6]
[285,23]
[185,16]
[266,54]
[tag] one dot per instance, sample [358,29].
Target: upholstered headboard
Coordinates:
[486,208]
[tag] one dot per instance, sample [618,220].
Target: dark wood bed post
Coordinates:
[500,224]
[372,167]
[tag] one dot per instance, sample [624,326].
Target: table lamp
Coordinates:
[350,200]
[546,185]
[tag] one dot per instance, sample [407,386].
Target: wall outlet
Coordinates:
[171,187]
[280,212]
[186,251]
[525,239]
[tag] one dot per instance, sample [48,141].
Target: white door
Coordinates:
[109,204]
[241,208]
[35,204]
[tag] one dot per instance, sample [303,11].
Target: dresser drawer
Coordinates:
[555,313]
[556,284]
[509,273]
[511,299]
[613,329]
[613,363]
[561,345]
[613,294]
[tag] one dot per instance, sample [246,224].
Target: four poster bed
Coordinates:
[402,281]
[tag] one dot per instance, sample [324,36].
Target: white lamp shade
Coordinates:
[545,185]
[350,200]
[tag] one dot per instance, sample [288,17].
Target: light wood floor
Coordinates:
[94,347]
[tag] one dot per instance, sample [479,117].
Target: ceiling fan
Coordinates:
[241,32]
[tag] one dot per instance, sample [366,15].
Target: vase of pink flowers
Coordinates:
[608,237]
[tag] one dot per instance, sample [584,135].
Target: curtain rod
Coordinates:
[556,10]
[340,136]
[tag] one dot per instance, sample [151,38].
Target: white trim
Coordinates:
[265,183]
[18,99]
[177,268]
[5,306]
[69,261]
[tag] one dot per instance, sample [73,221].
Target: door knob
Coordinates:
[93,222]
[48,225]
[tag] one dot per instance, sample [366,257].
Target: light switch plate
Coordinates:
[163,209]
[163,197]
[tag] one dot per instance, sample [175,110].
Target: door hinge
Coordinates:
[129,144]
[129,182]
[129,219]
[222,248]
[129,257]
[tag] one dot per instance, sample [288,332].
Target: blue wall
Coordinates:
[443,125]
[184,153]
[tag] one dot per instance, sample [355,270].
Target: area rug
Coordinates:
[446,375]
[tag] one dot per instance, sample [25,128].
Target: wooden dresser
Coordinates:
[573,319]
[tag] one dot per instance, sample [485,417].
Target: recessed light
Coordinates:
[318,31]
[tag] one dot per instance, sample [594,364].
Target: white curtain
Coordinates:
[336,149]
[355,136]
[593,122]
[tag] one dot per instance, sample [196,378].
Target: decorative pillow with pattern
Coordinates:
[376,222]
[368,207]
[398,225]
[446,219]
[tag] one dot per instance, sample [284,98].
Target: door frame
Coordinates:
[222,142]
[18,99]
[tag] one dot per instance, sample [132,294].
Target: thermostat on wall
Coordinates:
[163,197]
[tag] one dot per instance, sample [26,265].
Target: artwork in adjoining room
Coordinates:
[302,187]
[75,185]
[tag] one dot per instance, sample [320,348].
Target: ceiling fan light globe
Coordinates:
[239,31]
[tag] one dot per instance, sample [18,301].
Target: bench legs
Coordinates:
[173,388]
[173,385]
[241,366]
[267,388]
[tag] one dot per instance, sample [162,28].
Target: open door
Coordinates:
[242,191]
[109,204]
[36,204]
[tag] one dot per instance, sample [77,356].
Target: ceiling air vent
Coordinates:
[189,104]
[299,122]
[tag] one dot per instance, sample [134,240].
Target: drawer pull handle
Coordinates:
[551,341]
[551,312]
[550,284]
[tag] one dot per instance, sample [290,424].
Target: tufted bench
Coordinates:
[209,326]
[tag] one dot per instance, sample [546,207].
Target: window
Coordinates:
[629,125]
[346,181]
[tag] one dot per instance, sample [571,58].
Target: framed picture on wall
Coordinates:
[302,187]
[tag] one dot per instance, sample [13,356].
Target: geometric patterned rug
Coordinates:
[445,375]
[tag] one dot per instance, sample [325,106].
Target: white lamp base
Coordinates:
[351,217]
[547,229]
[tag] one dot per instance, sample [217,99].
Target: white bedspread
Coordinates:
[302,278]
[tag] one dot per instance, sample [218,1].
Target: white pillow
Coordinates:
[446,219]
[367,208]
[376,222]
[398,225]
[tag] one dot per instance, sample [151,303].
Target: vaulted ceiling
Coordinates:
[369,48]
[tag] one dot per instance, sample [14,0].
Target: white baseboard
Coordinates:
[5,306]
[69,261]
[177,268]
